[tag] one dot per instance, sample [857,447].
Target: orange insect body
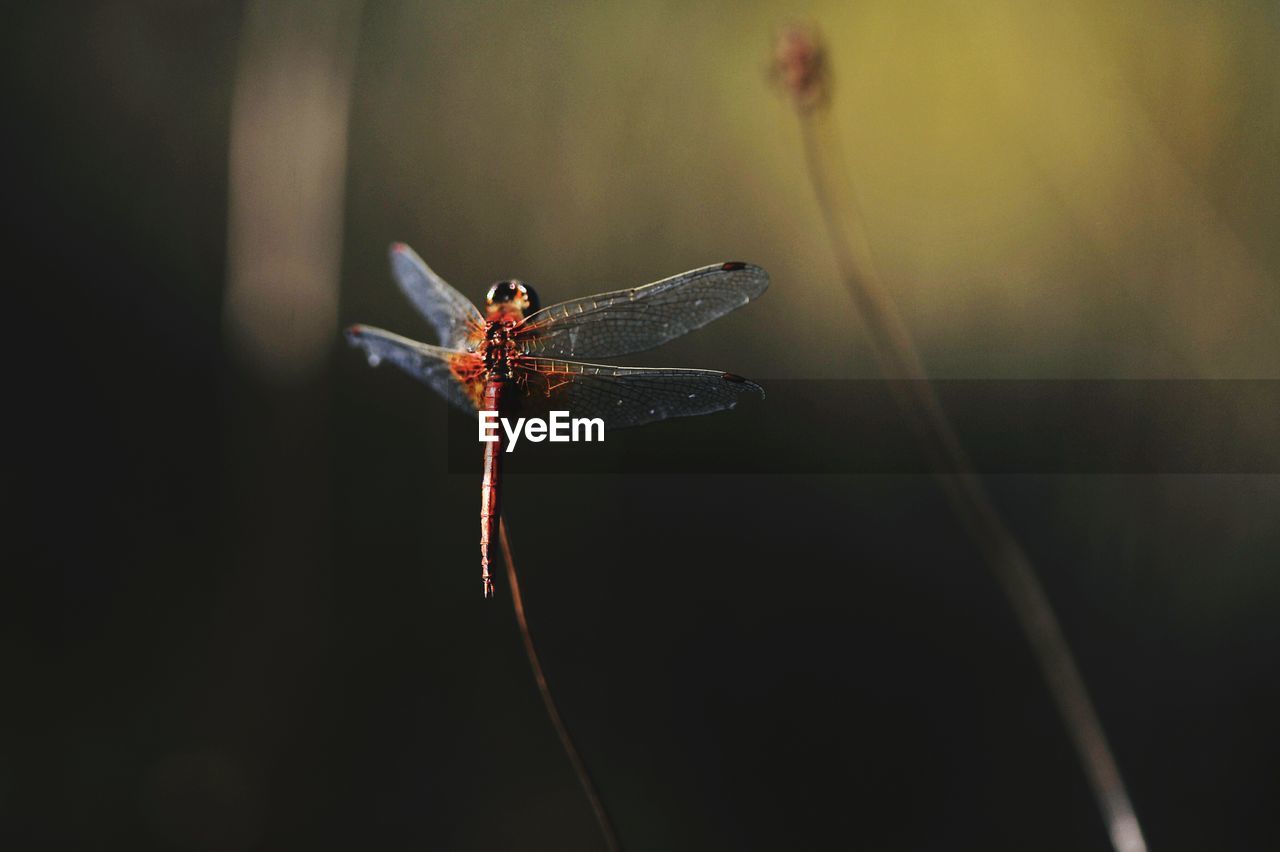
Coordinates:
[495,360]
[487,373]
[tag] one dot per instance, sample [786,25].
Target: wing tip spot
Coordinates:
[740,380]
[733,265]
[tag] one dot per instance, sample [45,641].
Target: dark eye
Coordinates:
[531,298]
[513,292]
[502,291]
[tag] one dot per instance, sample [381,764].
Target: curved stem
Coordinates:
[802,65]
[566,740]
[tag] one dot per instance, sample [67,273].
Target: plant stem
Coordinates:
[801,65]
[566,740]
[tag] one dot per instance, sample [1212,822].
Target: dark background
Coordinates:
[241,606]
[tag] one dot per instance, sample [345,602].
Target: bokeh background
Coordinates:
[243,609]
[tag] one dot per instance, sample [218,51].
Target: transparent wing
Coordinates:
[626,321]
[627,396]
[438,367]
[452,314]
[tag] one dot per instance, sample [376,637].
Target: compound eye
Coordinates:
[513,293]
[531,302]
[503,291]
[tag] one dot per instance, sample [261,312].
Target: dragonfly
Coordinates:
[516,357]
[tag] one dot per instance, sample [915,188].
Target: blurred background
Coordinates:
[242,608]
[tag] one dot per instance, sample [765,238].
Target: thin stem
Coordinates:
[566,740]
[801,65]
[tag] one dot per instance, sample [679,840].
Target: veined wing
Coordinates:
[640,318]
[445,370]
[452,314]
[627,396]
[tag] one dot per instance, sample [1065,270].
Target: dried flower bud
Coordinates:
[800,66]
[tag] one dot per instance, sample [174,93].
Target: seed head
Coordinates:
[800,66]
